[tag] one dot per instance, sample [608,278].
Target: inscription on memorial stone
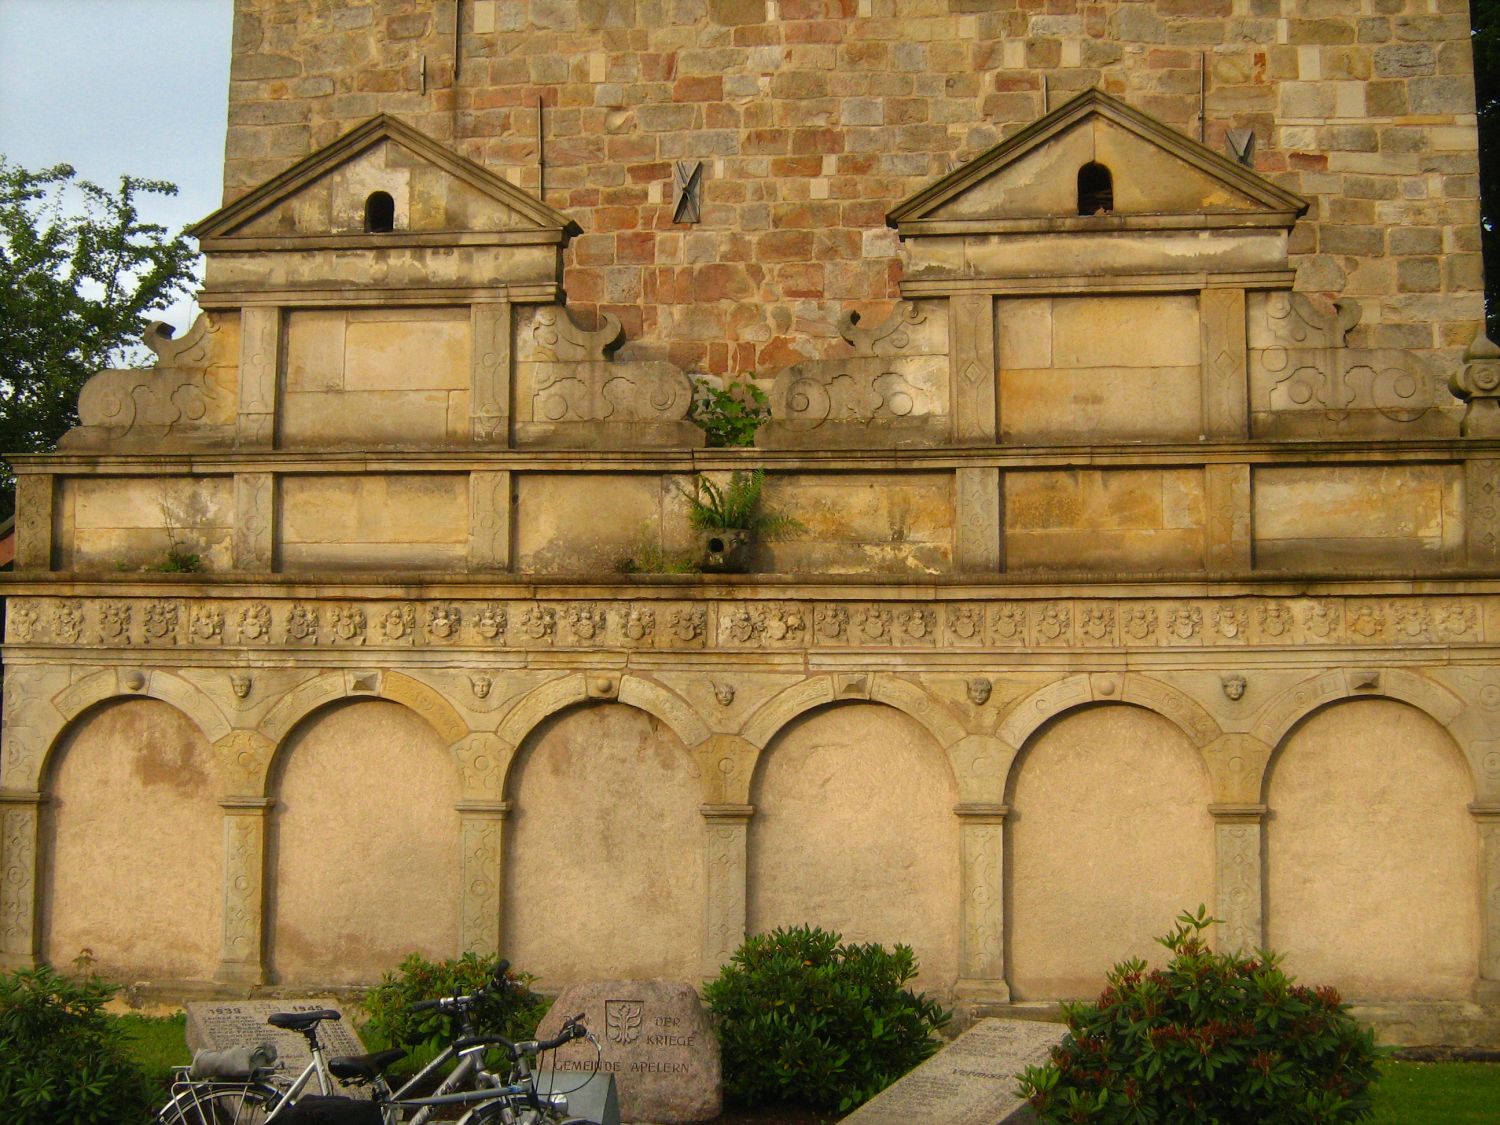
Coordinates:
[655,1041]
[217,1026]
[972,1081]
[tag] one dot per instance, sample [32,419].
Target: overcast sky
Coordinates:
[120,86]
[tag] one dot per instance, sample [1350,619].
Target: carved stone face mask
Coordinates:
[481,684]
[724,693]
[240,682]
[979,691]
[1234,685]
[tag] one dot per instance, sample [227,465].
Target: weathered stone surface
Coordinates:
[971,1081]
[220,1024]
[654,1038]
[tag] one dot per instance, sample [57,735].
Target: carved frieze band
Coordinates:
[1069,623]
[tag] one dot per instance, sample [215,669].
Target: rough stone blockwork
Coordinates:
[811,117]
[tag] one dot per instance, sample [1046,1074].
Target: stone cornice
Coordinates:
[468,458]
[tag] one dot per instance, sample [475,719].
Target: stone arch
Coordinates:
[778,712]
[1061,696]
[1372,863]
[311,695]
[1129,791]
[855,829]
[112,683]
[604,874]
[555,696]
[1289,709]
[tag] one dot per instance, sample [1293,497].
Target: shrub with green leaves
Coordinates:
[804,1018]
[731,414]
[1213,1037]
[513,1012]
[61,1057]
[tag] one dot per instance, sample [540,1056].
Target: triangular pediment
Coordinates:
[435,193]
[1160,179]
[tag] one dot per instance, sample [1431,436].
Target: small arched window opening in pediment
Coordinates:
[380,213]
[1096,189]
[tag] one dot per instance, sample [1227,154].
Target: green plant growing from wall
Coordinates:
[736,506]
[731,414]
[180,558]
[1223,1037]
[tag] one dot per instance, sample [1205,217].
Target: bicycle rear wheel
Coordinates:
[219,1105]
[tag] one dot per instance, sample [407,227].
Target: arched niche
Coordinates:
[1110,838]
[1372,864]
[604,855]
[132,858]
[363,845]
[854,831]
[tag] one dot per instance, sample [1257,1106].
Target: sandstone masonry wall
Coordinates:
[813,117]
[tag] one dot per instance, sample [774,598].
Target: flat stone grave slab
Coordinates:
[654,1038]
[971,1081]
[217,1025]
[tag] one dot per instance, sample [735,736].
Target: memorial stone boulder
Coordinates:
[654,1039]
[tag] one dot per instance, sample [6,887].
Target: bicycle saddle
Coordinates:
[301,1021]
[364,1067]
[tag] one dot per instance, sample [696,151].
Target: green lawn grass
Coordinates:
[157,1044]
[1439,1093]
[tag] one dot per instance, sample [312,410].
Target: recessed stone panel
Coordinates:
[1374,515]
[374,521]
[133,820]
[365,878]
[605,871]
[834,843]
[1104,520]
[1371,856]
[131,523]
[1128,792]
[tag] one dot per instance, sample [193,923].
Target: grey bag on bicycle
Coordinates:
[316,1109]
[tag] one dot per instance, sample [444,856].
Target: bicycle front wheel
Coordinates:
[219,1105]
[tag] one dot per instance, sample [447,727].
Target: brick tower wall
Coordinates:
[813,117]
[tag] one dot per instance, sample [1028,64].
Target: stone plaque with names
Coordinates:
[217,1025]
[655,1040]
[972,1081]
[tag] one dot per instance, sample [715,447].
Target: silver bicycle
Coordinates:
[260,1096]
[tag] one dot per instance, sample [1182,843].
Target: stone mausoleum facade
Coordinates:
[1123,376]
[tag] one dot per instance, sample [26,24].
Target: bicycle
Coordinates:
[255,1097]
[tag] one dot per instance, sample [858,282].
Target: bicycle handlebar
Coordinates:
[497,982]
[570,1031]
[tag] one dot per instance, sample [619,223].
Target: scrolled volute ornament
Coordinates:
[1477,383]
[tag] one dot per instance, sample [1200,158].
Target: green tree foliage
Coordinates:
[803,1018]
[61,1057]
[1223,1038]
[79,269]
